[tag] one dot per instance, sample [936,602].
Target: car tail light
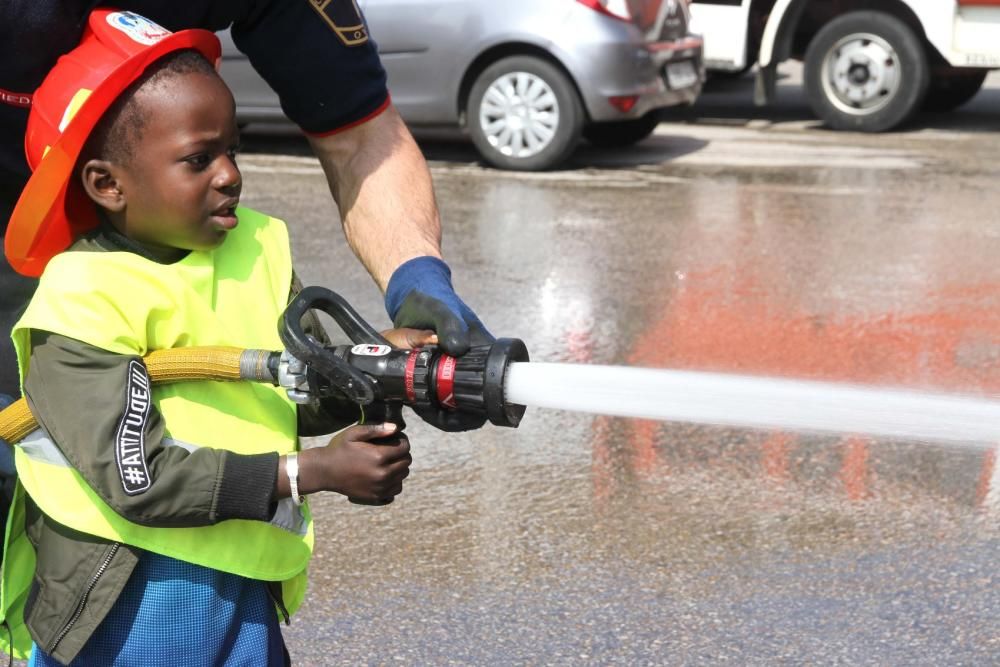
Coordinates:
[614,8]
[623,103]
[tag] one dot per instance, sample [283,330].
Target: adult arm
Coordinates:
[382,187]
[332,84]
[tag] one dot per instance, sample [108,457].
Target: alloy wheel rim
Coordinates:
[861,74]
[519,114]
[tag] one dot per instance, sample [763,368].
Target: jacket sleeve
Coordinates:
[77,393]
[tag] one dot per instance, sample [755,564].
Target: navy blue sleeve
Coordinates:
[317,55]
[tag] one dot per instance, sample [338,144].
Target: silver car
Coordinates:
[525,78]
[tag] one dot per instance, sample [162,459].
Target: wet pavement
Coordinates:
[740,246]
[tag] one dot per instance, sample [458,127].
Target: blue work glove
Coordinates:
[420,296]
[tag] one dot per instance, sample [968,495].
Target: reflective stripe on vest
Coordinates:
[123,303]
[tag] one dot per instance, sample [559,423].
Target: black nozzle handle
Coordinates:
[315,297]
[377,413]
[356,385]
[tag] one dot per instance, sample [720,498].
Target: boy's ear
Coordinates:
[102,186]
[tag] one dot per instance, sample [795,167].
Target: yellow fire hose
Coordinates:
[175,365]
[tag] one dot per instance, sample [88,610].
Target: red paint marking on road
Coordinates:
[854,471]
[710,328]
[579,346]
[774,456]
[602,460]
[985,485]
[750,310]
[643,445]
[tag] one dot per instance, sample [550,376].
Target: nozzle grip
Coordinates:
[378,413]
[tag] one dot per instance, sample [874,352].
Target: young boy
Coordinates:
[166,520]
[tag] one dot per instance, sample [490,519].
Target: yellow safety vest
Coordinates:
[123,303]
[18,571]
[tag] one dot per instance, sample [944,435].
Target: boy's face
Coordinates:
[181,185]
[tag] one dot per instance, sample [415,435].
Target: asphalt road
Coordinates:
[733,241]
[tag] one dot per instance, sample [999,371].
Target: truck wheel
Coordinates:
[953,87]
[621,133]
[866,71]
[524,114]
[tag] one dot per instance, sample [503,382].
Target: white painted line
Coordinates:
[787,160]
[612,178]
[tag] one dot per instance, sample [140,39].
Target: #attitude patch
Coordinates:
[130,438]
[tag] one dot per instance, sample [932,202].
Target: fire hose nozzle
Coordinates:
[370,373]
[373,372]
[427,377]
[480,376]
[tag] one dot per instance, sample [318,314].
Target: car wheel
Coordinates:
[866,71]
[524,114]
[952,88]
[621,133]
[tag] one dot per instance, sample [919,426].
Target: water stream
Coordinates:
[754,402]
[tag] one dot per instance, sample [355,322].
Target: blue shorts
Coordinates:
[174,613]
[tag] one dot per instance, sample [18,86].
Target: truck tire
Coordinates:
[866,71]
[617,134]
[524,114]
[953,87]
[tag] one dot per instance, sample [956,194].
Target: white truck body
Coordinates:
[957,38]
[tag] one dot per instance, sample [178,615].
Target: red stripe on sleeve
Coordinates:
[382,107]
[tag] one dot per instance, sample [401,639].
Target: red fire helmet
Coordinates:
[116,49]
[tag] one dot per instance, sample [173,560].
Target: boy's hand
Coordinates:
[353,465]
[407,339]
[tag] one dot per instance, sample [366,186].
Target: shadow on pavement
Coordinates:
[656,149]
[728,100]
[451,147]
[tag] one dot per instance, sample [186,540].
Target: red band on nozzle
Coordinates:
[411,365]
[446,381]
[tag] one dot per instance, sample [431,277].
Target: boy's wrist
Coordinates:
[310,472]
[292,470]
